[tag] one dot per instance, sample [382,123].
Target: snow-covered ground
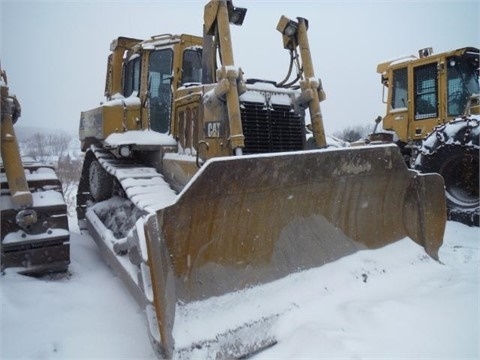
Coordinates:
[394,302]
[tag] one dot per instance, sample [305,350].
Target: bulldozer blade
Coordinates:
[241,342]
[249,220]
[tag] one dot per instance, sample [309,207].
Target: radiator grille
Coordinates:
[273,128]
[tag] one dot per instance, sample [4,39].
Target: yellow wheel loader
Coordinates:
[34,222]
[198,182]
[433,109]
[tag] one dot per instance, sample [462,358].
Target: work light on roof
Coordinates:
[287,27]
[236,15]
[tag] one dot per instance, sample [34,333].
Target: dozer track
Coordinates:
[246,221]
[142,185]
[41,247]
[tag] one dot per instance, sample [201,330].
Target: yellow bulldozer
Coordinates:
[198,182]
[433,115]
[34,223]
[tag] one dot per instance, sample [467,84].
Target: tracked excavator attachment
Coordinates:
[230,197]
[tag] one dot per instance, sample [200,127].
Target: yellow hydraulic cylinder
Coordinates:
[12,162]
[233,103]
[311,84]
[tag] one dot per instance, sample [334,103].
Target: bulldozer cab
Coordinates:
[429,90]
[162,84]
[155,69]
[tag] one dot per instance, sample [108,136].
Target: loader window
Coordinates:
[426,85]
[132,77]
[462,82]
[400,86]
[160,90]
[192,66]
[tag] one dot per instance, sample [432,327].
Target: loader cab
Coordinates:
[429,90]
[462,82]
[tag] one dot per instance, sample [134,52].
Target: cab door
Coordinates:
[160,89]
[425,95]
[398,103]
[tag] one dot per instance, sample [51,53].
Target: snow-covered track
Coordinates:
[144,186]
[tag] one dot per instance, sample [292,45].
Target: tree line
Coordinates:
[354,132]
[56,150]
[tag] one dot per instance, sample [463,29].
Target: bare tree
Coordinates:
[46,147]
[54,150]
[354,133]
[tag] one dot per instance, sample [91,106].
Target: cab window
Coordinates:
[462,83]
[400,86]
[192,66]
[426,102]
[160,90]
[132,77]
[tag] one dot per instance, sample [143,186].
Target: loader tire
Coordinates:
[101,182]
[452,150]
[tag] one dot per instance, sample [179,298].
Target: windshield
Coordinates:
[462,83]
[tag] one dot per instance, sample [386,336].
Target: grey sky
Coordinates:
[55,52]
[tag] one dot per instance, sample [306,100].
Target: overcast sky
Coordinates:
[55,52]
